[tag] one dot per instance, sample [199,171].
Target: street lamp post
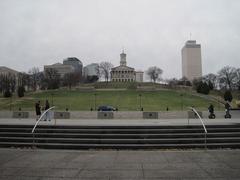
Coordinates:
[181,101]
[219,104]
[140,102]
[11,103]
[95,101]
[52,98]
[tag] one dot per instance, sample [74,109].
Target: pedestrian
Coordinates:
[47,116]
[211,111]
[38,110]
[227,109]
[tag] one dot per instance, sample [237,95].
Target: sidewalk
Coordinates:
[27,164]
[113,122]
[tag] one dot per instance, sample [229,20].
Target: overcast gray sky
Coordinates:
[152,32]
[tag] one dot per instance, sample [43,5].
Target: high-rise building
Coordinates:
[191,60]
[75,62]
[61,69]
[91,70]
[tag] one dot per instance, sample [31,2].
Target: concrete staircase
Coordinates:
[120,137]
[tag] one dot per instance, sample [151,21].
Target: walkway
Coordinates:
[120,121]
[27,164]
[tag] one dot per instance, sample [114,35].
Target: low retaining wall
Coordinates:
[61,115]
[20,114]
[150,115]
[105,115]
[193,115]
[127,114]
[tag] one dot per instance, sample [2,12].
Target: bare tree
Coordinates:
[154,73]
[105,68]
[98,71]
[237,79]
[34,77]
[226,77]
[52,79]
[172,82]
[184,81]
[71,79]
[23,79]
[211,80]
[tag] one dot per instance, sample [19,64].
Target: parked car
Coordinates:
[106,108]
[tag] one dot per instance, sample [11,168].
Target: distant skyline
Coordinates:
[152,32]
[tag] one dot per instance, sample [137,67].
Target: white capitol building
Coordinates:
[124,73]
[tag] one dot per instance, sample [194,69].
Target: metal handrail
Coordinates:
[204,127]
[41,118]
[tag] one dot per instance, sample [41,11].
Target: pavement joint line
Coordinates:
[81,169]
[193,158]
[15,158]
[200,166]
[220,160]
[143,174]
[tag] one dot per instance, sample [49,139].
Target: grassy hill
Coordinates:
[123,99]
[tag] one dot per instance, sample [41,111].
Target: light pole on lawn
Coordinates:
[95,101]
[52,98]
[11,100]
[140,101]
[181,101]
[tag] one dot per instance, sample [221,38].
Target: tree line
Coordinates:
[49,79]
[228,78]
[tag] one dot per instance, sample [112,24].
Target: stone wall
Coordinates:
[129,114]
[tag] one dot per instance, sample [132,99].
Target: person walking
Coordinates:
[47,116]
[211,111]
[227,109]
[38,110]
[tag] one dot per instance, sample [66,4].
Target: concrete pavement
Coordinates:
[38,164]
[128,122]
[17,164]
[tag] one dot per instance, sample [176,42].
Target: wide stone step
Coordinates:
[119,146]
[120,141]
[122,136]
[121,126]
[122,131]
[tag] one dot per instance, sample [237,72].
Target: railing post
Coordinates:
[33,141]
[33,130]
[43,114]
[205,130]
[205,141]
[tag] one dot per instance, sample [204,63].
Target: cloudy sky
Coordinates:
[152,32]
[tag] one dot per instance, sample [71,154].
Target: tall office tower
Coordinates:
[75,63]
[191,60]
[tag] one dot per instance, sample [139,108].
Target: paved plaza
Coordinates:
[129,122]
[17,164]
[40,164]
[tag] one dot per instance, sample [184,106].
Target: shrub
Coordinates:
[228,96]
[7,93]
[203,88]
[20,91]
[132,86]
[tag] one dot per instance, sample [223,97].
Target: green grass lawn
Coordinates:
[124,100]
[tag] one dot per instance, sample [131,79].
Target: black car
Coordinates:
[106,108]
